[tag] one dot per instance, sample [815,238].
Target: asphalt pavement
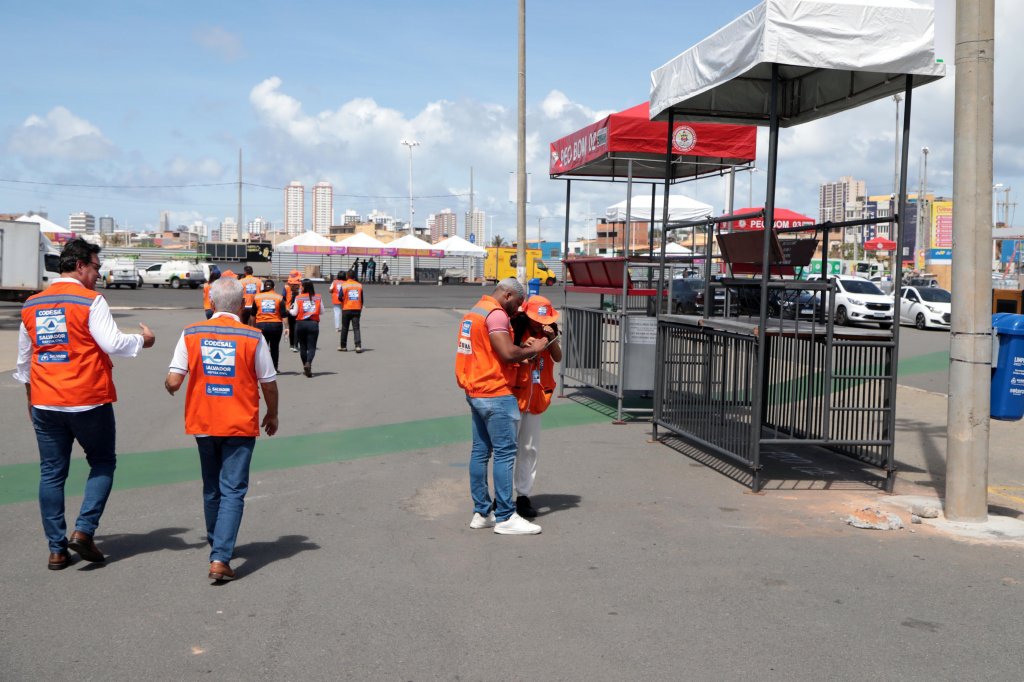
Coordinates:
[356,561]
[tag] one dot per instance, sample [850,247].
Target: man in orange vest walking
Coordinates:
[66,337]
[533,388]
[251,286]
[228,363]
[485,369]
[352,302]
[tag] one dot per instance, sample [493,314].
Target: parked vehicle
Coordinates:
[684,294]
[925,307]
[858,300]
[174,273]
[28,260]
[501,263]
[119,271]
[925,280]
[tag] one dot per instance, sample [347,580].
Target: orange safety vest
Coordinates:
[206,297]
[69,369]
[250,287]
[223,392]
[289,296]
[336,291]
[352,295]
[478,370]
[269,306]
[309,308]
[535,383]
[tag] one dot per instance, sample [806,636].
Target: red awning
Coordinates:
[879,244]
[783,218]
[602,149]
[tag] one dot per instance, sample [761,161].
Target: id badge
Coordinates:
[535,375]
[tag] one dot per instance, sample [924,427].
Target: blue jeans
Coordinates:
[495,425]
[225,464]
[56,432]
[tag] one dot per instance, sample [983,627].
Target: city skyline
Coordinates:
[179,152]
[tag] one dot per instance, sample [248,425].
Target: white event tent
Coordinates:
[457,246]
[307,242]
[679,208]
[46,226]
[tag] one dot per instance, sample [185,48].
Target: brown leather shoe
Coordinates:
[58,560]
[220,571]
[307,369]
[82,544]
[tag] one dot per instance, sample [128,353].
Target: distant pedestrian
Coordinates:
[268,312]
[336,298]
[385,277]
[307,308]
[362,274]
[485,369]
[352,311]
[533,388]
[214,276]
[251,286]
[65,341]
[355,266]
[291,290]
[371,270]
[228,363]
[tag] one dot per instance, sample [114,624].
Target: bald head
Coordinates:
[510,294]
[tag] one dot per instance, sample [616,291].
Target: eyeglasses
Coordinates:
[94,265]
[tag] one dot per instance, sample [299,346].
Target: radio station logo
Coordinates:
[51,327]
[218,358]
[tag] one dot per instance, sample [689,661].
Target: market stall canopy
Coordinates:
[603,149]
[411,245]
[362,244]
[46,226]
[879,244]
[457,246]
[309,242]
[784,218]
[832,55]
[676,249]
[679,208]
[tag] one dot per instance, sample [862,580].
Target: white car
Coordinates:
[175,274]
[118,272]
[925,307]
[859,300]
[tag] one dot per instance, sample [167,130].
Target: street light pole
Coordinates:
[410,144]
[521,151]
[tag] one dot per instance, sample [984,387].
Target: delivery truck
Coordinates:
[28,261]
[502,262]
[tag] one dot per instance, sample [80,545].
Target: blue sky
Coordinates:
[166,93]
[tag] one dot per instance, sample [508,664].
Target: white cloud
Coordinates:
[60,135]
[223,43]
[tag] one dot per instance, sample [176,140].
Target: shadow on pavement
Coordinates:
[125,545]
[552,504]
[260,554]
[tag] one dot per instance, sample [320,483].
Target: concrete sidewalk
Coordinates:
[651,565]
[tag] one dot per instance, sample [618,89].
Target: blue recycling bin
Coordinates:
[1008,373]
[533,287]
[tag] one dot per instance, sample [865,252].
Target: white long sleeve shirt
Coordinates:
[108,337]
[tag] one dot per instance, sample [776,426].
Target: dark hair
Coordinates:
[75,251]
[341,274]
[352,276]
[214,276]
[307,287]
[247,269]
[268,285]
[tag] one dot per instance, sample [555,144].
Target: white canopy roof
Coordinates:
[833,55]
[307,238]
[457,246]
[362,240]
[677,249]
[679,208]
[410,241]
[45,225]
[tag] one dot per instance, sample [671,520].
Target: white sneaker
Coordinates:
[516,525]
[481,521]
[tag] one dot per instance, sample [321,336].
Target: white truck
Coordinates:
[174,274]
[119,271]
[28,260]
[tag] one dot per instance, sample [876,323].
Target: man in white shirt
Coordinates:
[66,337]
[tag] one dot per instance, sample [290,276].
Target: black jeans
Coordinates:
[350,317]
[308,332]
[292,341]
[272,332]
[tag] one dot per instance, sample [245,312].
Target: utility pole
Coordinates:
[923,204]
[410,144]
[970,352]
[240,227]
[521,154]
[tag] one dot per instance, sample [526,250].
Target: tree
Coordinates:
[498,240]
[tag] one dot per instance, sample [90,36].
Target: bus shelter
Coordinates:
[610,346]
[770,369]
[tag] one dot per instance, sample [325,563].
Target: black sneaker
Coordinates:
[524,509]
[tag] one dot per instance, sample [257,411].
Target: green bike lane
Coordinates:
[19,482]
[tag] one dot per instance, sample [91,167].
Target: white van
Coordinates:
[119,271]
